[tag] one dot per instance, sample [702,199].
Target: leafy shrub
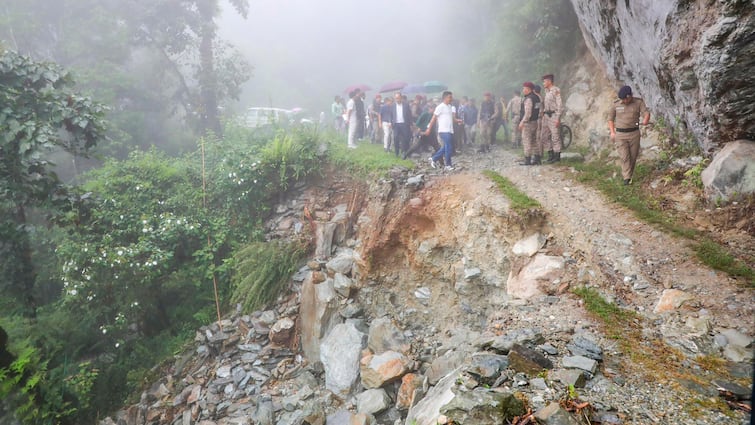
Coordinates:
[261,271]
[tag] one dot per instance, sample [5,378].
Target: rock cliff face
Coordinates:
[692,61]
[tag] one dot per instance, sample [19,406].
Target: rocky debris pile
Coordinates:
[329,353]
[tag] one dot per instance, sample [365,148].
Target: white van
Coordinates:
[260,117]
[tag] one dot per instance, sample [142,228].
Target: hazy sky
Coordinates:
[306,51]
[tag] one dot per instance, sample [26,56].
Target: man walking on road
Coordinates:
[550,136]
[530,111]
[402,124]
[352,121]
[445,115]
[624,126]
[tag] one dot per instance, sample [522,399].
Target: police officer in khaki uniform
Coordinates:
[624,125]
[514,106]
[552,109]
[530,112]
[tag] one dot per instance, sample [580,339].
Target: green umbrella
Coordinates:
[435,86]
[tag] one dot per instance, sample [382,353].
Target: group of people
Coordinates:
[406,126]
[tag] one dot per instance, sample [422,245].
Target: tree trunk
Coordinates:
[25,274]
[208,84]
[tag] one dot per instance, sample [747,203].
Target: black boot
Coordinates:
[536,160]
[526,161]
[557,157]
[550,157]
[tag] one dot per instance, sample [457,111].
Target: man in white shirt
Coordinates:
[351,119]
[445,115]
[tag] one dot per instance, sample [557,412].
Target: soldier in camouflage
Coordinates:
[550,136]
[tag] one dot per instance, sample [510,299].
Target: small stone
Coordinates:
[580,362]
[570,377]
[415,181]
[223,372]
[409,391]
[415,202]
[583,346]
[671,299]
[737,354]
[282,332]
[527,360]
[373,401]
[487,365]
[538,383]
[342,285]
[737,338]
[380,369]
[742,393]
[554,414]
[422,293]
[720,340]
[548,349]
[472,273]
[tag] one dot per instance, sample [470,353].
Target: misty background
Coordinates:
[305,52]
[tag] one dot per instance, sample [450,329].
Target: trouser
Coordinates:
[353,125]
[550,137]
[447,148]
[628,147]
[360,129]
[374,131]
[486,132]
[387,133]
[494,131]
[402,136]
[529,139]
[430,140]
[470,131]
[516,137]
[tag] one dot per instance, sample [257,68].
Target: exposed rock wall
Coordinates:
[692,61]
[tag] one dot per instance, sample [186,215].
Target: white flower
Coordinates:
[120,252]
[104,331]
[154,262]
[144,221]
[117,344]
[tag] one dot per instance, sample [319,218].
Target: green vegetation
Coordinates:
[519,200]
[367,159]
[262,269]
[600,174]
[614,317]
[531,38]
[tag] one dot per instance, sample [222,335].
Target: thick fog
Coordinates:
[306,51]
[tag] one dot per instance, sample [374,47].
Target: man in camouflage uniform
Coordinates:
[515,104]
[550,136]
[624,126]
[529,111]
[486,117]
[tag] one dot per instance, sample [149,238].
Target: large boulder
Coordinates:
[464,406]
[319,314]
[732,171]
[340,353]
[386,336]
[690,61]
[526,283]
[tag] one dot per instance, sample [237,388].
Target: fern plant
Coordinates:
[261,271]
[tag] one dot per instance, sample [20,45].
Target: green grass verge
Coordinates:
[519,200]
[600,174]
[367,159]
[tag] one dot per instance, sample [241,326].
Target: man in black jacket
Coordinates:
[402,124]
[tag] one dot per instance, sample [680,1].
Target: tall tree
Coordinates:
[40,113]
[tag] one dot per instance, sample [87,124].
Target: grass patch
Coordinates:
[601,175]
[519,200]
[715,256]
[613,316]
[367,159]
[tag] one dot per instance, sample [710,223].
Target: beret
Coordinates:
[529,84]
[625,91]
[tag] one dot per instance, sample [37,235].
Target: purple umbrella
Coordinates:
[362,87]
[414,89]
[392,86]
